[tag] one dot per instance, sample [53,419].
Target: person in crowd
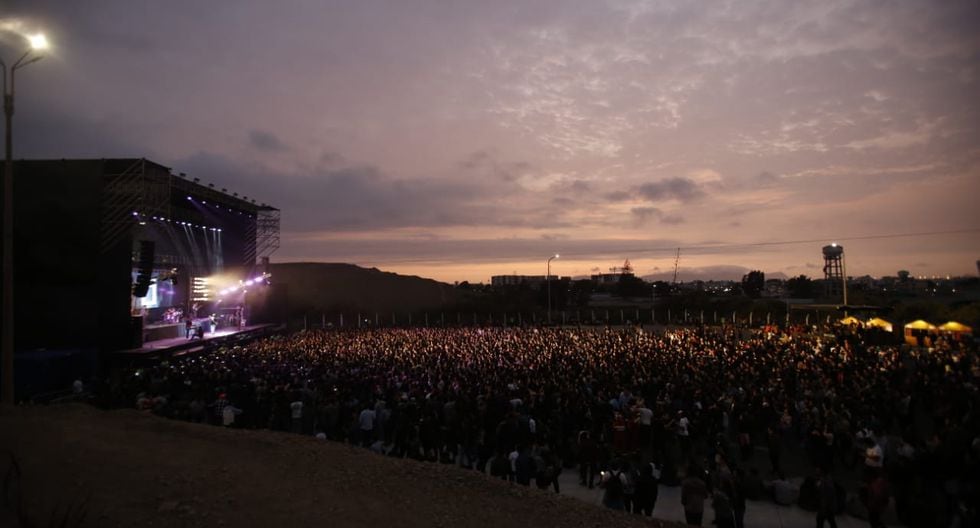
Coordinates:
[366,420]
[296,415]
[827,499]
[500,467]
[228,414]
[877,499]
[647,489]
[694,491]
[588,454]
[613,482]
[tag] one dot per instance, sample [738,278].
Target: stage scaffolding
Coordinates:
[131,194]
[266,232]
[137,190]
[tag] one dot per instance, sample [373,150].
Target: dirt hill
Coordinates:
[316,287]
[125,468]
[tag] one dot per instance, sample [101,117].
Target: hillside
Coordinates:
[135,469]
[315,287]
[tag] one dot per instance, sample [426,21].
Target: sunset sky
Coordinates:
[462,139]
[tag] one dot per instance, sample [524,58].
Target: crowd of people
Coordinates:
[629,408]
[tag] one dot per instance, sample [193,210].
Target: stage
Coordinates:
[178,346]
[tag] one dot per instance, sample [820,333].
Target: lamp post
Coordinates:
[37,42]
[549,285]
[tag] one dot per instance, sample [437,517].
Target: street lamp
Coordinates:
[37,42]
[549,286]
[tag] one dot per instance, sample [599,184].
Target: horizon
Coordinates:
[465,141]
[709,274]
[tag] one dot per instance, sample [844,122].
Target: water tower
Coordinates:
[833,271]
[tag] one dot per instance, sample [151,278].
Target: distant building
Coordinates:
[774,288]
[535,281]
[516,280]
[615,274]
[609,278]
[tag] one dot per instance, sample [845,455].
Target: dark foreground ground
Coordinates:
[124,468]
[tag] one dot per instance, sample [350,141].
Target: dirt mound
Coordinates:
[132,469]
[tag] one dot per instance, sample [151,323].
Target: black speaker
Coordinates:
[144,271]
[136,332]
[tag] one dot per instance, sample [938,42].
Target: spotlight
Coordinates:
[188,197]
[135,213]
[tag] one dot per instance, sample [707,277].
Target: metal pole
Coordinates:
[8,244]
[7,340]
[548,278]
[843,261]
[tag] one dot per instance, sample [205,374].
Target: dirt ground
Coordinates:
[125,468]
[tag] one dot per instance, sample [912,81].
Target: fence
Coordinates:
[596,317]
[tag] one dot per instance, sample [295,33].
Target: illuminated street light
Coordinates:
[549,285]
[37,42]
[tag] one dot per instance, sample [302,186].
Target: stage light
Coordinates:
[135,213]
[188,197]
[249,282]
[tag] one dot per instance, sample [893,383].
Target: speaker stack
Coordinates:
[144,269]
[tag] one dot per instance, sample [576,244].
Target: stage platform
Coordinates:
[177,346]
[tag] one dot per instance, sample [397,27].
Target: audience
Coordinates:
[566,397]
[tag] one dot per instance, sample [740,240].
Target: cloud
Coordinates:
[266,141]
[644,215]
[766,178]
[677,188]
[617,196]
[672,219]
[363,198]
[354,198]
[487,164]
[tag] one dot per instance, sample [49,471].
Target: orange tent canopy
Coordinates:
[878,322]
[920,325]
[955,327]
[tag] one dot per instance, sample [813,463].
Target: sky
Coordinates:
[462,139]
